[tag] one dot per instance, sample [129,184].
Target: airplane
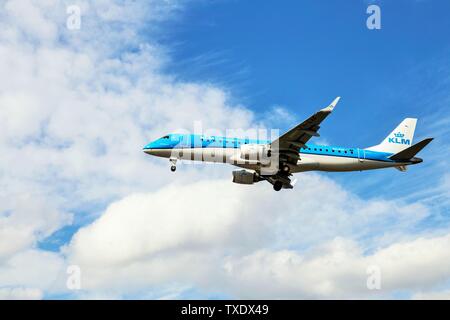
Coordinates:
[276,161]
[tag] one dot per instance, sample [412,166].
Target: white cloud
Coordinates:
[76,109]
[30,20]
[432,295]
[35,269]
[20,294]
[216,235]
[26,219]
[81,117]
[339,270]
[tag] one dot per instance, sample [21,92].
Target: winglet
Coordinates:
[332,105]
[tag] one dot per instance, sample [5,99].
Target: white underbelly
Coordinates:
[332,163]
[325,163]
[307,162]
[212,155]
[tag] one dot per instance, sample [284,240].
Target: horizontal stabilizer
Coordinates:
[410,152]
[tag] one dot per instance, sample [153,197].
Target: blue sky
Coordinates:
[82,192]
[304,53]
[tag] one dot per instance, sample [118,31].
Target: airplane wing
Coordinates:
[296,138]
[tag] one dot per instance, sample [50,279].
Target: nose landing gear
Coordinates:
[173,161]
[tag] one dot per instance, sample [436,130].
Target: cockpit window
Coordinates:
[165,137]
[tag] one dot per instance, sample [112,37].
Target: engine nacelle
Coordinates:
[256,152]
[244,177]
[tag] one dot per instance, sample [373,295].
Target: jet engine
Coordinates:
[245,177]
[256,152]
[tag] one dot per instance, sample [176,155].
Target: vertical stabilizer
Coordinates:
[399,139]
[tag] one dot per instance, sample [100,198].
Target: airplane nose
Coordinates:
[148,150]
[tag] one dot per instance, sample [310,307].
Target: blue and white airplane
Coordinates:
[275,161]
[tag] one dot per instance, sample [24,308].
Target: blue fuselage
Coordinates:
[190,141]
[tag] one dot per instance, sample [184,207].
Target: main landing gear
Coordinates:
[277,185]
[281,179]
[285,168]
[173,161]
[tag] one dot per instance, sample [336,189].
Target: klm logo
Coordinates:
[398,138]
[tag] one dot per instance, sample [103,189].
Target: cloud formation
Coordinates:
[76,107]
[249,244]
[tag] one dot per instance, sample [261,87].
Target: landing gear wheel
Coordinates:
[277,186]
[173,161]
[285,168]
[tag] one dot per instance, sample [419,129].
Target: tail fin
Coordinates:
[399,139]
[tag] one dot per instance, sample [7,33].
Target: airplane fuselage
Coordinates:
[228,150]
